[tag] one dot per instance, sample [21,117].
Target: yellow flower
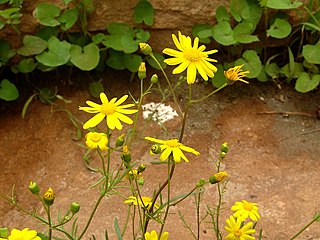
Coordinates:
[237,231]
[111,110]
[145,202]
[97,140]
[245,209]
[174,147]
[154,236]
[192,58]
[48,197]
[24,234]
[133,174]
[236,74]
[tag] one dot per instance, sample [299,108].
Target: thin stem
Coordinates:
[305,227]
[218,213]
[210,94]
[174,204]
[198,215]
[49,223]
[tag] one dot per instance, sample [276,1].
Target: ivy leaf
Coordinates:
[242,33]
[8,90]
[279,29]
[68,18]
[5,52]
[116,60]
[203,32]
[26,65]
[47,14]
[142,36]
[223,33]
[57,54]
[311,53]
[132,62]
[32,45]
[222,14]
[115,28]
[144,12]
[251,62]
[87,58]
[283,4]
[305,84]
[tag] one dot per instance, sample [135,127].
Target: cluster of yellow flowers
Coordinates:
[24,234]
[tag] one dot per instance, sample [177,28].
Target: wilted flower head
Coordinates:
[193,58]
[236,74]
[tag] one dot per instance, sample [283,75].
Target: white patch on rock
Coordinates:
[158,112]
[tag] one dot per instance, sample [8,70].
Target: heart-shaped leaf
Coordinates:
[242,33]
[283,4]
[144,12]
[219,78]
[132,62]
[47,14]
[223,33]
[6,52]
[68,18]
[32,45]
[203,32]
[311,53]
[26,65]
[279,29]
[251,62]
[305,84]
[8,90]
[222,14]
[87,58]
[116,60]
[57,54]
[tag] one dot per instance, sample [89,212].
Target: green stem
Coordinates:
[49,223]
[210,94]
[218,234]
[174,204]
[306,226]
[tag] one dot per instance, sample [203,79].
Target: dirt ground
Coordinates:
[273,159]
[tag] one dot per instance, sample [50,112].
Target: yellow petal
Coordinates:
[191,73]
[94,121]
[181,67]
[121,100]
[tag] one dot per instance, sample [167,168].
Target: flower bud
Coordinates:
[34,188]
[4,233]
[126,155]
[201,183]
[145,48]
[141,168]
[155,149]
[218,177]
[224,147]
[74,207]
[141,181]
[223,155]
[142,71]
[154,78]
[48,197]
[120,140]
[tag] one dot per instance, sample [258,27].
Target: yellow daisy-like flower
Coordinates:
[193,58]
[143,201]
[174,147]
[237,231]
[24,234]
[111,110]
[96,140]
[154,236]
[236,74]
[245,209]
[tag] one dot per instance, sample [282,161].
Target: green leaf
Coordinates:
[283,4]
[68,18]
[219,78]
[116,60]
[142,36]
[98,38]
[32,45]
[144,12]
[5,51]
[117,228]
[242,33]
[26,65]
[95,88]
[263,77]
[223,33]
[272,70]
[87,58]
[8,90]
[279,29]
[222,14]
[129,45]
[311,53]
[57,54]
[47,32]
[120,29]
[47,14]
[248,10]
[237,8]
[132,62]
[160,58]
[292,71]
[203,32]
[305,84]
[251,62]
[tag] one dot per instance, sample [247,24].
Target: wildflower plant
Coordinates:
[107,138]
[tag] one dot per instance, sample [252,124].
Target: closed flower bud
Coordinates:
[142,71]
[141,168]
[145,48]
[201,183]
[120,140]
[4,233]
[218,177]
[154,78]
[155,149]
[34,188]
[224,147]
[126,155]
[141,181]
[74,207]
[48,197]
[223,155]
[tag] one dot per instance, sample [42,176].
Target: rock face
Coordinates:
[170,16]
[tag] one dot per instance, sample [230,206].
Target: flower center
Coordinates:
[193,55]
[173,143]
[95,137]
[108,108]
[248,206]
[238,232]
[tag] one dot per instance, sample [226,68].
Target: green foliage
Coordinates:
[8,90]
[238,26]
[144,12]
